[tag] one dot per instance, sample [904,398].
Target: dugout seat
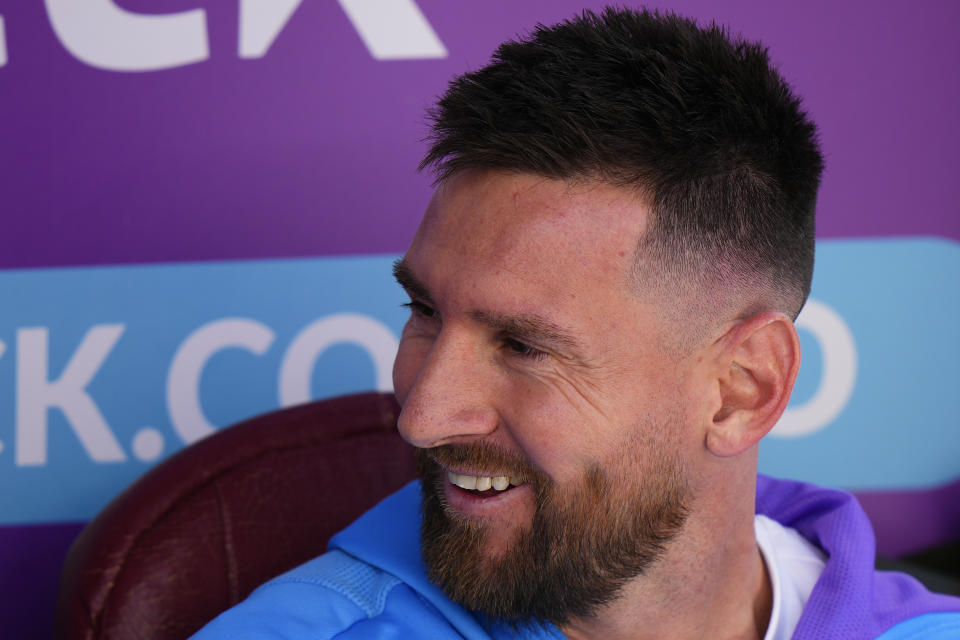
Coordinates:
[201,530]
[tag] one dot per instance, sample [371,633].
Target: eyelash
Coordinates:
[518,347]
[420,309]
[523,350]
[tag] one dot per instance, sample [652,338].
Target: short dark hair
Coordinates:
[699,123]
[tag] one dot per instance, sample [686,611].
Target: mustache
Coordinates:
[483,457]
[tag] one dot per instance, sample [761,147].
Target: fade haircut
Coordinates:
[701,125]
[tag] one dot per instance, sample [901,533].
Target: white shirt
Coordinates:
[794,565]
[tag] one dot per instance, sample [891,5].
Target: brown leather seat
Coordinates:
[201,530]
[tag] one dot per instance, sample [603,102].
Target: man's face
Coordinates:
[529,363]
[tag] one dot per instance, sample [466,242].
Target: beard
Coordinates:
[585,541]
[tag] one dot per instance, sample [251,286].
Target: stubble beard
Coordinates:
[584,544]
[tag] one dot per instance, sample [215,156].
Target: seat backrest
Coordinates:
[202,529]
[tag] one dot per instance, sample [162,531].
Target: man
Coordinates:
[602,293]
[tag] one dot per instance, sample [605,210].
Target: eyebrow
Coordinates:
[529,328]
[526,327]
[410,283]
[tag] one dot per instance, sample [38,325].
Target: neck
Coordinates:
[710,582]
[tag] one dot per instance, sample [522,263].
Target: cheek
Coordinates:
[564,424]
[550,425]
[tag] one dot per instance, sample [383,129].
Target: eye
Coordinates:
[522,349]
[417,308]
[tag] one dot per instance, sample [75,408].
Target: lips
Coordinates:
[501,509]
[481,481]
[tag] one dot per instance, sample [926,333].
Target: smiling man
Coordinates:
[602,294]
[568,390]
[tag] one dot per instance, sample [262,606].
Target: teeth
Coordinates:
[481,483]
[466,482]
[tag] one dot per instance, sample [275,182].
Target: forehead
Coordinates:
[543,230]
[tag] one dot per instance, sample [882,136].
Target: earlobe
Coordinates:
[757,364]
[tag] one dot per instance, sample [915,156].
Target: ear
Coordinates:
[757,363]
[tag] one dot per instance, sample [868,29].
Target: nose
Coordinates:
[446,392]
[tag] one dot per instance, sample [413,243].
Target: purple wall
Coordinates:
[311,150]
